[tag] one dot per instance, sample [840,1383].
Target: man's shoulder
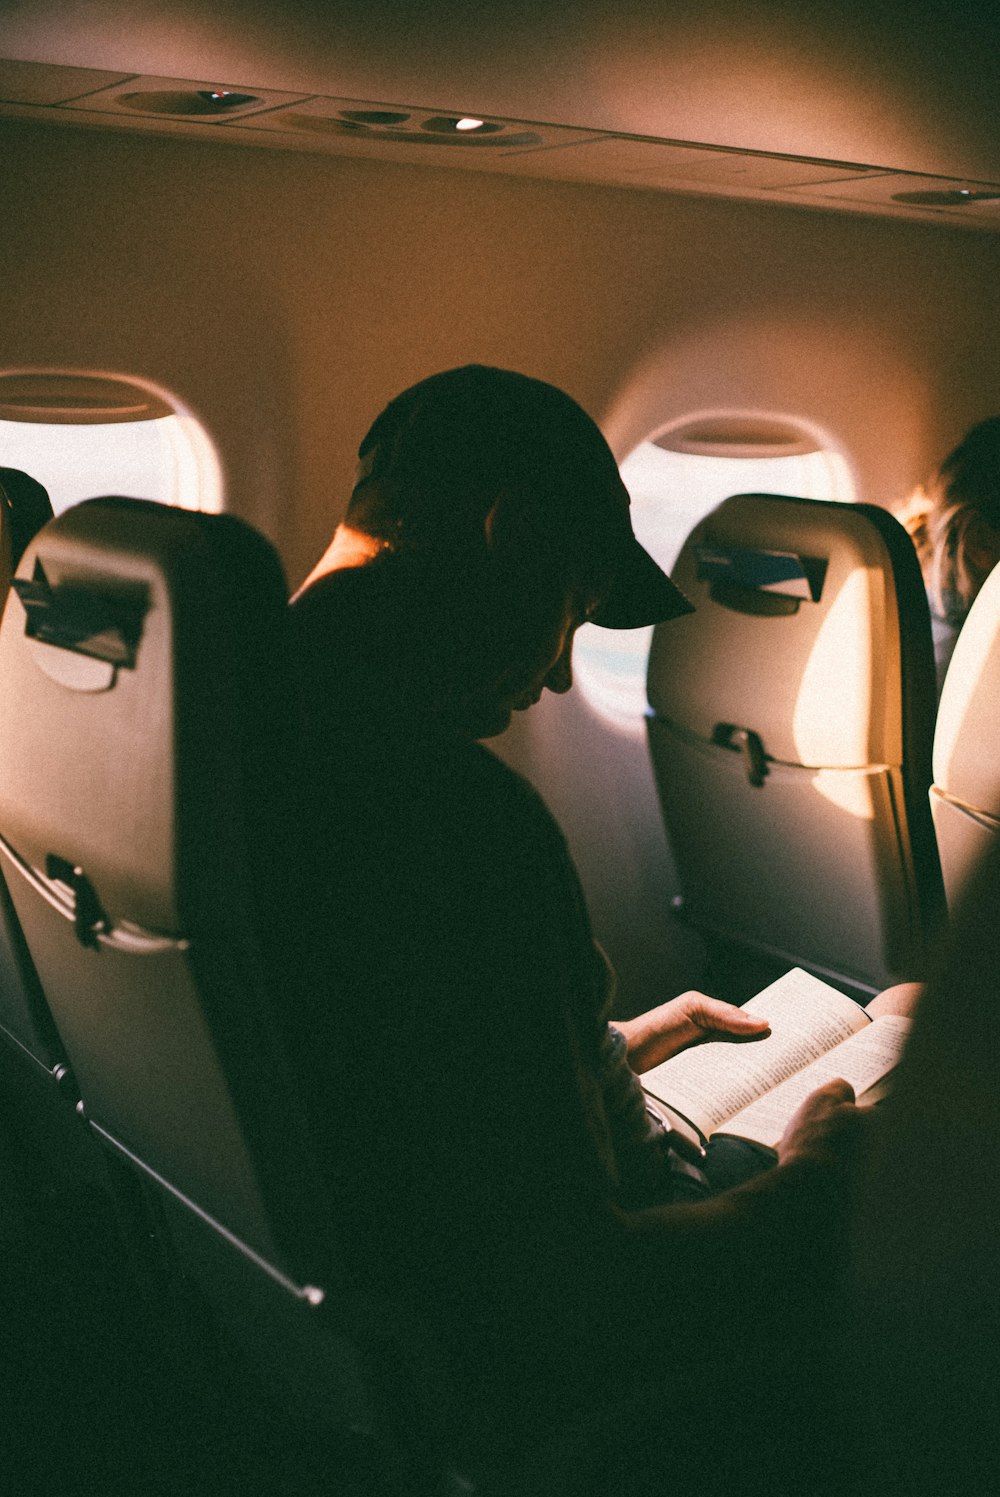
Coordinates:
[492,781]
[469,792]
[338,595]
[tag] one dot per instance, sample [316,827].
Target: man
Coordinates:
[485,1132]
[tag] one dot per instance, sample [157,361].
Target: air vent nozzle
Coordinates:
[952,197]
[202,101]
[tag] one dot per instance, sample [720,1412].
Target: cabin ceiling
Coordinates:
[890,109]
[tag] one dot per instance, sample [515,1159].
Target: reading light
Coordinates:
[226,98]
[465,124]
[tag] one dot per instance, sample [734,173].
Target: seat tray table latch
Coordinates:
[746,742]
[89,919]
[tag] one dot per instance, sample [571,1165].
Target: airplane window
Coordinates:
[671,490]
[82,437]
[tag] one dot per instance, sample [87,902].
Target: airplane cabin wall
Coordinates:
[284,298]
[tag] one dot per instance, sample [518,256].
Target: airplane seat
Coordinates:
[152,839]
[916,1382]
[24,1018]
[965,794]
[790,728]
[63,1207]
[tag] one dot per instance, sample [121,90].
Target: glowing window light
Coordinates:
[170,459]
[671,491]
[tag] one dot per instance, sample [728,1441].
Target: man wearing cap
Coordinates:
[488,1139]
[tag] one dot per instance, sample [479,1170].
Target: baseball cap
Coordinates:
[446,447]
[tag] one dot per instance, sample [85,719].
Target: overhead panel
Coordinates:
[459,137]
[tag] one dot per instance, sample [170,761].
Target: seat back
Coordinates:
[965,794]
[24,1017]
[790,730]
[129,833]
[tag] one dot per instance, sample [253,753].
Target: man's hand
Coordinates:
[661,1032]
[824,1126]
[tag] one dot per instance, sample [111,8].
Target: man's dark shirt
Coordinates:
[467,998]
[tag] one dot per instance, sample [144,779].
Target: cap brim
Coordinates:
[642,594]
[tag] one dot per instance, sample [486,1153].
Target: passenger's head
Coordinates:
[26,506]
[954,519]
[505,488]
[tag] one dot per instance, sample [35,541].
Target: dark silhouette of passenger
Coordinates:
[482,1123]
[27,506]
[954,521]
[919,1371]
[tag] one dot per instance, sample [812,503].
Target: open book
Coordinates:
[752,1087]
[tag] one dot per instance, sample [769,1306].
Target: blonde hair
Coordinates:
[954,522]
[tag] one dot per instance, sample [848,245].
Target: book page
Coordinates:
[711,1081]
[863,1059]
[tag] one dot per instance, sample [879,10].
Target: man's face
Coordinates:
[543,660]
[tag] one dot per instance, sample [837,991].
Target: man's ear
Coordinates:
[514,529]
[500,521]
